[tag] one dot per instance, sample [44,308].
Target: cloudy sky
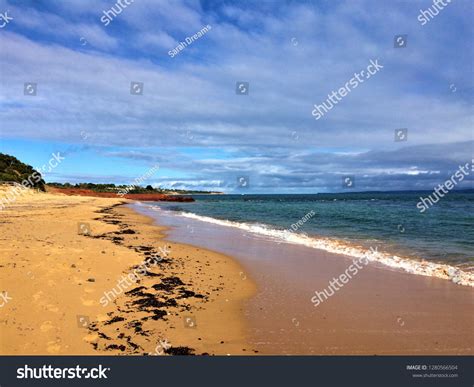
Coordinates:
[189,119]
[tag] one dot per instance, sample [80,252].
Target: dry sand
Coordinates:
[55,276]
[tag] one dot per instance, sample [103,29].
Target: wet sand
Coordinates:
[187,300]
[380,311]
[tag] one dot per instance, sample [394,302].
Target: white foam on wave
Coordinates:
[418,267]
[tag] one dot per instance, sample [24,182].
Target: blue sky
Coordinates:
[191,122]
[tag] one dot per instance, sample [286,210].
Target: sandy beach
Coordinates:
[87,275]
[55,272]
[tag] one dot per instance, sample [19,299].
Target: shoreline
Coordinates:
[380,311]
[411,265]
[188,302]
[210,322]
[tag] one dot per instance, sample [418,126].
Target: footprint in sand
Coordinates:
[91,338]
[102,317]
[53,347]
[38,295]
[52,308]
[87,302]
[46,326]
[89,290]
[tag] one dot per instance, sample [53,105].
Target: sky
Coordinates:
[192,121]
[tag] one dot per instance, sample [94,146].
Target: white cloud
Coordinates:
[190,100]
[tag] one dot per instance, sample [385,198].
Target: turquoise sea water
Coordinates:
[444,233]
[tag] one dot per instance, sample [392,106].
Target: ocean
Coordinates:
[351,223]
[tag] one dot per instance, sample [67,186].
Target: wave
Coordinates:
[409,265]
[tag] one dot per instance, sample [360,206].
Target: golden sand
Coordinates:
[56,272]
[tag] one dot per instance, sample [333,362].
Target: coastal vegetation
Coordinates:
[13,170]
[135,189]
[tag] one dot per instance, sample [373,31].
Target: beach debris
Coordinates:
[126,231]
[153,299]
[115,346]
[158,314]
[168,284]
[104,336]
[137,326]
[149,300]
[180,351]
[189,293]
[114,320]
